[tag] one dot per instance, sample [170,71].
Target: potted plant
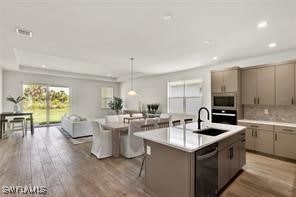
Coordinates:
[149,108]
[16,107]
[116,104]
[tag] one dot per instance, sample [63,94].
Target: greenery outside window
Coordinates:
[106,97]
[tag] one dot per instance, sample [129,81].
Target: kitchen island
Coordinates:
[177,162]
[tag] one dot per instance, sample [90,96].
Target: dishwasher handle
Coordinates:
[208,155]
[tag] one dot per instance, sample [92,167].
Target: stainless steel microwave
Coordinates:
[224,101]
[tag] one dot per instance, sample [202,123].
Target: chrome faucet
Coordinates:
[200,120]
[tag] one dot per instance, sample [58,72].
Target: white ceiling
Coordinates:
[98,37]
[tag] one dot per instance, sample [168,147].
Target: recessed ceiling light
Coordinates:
[207,41]
[109,75]
[272,45]
[215,58]
[262,24]
[43,66]
[167,17]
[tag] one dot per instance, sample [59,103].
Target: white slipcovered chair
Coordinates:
[130,145]
[102,141]
[112,118]
[152,121]
[121,117]
[137,115]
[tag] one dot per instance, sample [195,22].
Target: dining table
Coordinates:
[116,128]
[3,115]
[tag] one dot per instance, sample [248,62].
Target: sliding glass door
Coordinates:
[59,103]
[48,103]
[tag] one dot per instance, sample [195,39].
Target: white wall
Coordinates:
[154,88]
[85,94]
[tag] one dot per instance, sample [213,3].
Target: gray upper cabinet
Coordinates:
[266,86]
[249,86]
[225,81]
[258,86]
[217,81]
[284,75]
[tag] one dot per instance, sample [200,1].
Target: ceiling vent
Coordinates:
[23,32]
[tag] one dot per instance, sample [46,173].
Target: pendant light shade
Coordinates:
[132,92]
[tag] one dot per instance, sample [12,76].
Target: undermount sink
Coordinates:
[210,131]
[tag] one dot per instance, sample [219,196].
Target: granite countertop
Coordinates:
[268,123]
[183,138]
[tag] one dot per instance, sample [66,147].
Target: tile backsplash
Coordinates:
[270,113]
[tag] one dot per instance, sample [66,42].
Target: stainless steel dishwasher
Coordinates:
[206,169]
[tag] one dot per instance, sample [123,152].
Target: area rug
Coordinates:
[76,141]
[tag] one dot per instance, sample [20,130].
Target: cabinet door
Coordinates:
[223,166]
[284,145]
[284,79]
[230,80]
[266,85]
[264,141]
[249,139]
[217,81]
[234,159]
[249,85]
[242,153]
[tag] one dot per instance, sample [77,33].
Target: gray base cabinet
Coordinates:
[284,145]
[231,158]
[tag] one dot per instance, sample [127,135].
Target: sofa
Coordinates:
[76,126]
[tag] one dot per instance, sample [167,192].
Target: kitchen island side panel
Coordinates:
[169,172]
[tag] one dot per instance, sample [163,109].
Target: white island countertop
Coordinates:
[183,138]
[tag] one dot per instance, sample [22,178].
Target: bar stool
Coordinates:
[5,128]
[188,120]
[14,122]
[145,127]
[176,122]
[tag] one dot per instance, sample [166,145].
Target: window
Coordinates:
[185,96]
[106,96]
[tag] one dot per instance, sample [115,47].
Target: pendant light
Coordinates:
[132,92]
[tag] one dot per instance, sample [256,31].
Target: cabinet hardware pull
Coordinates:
[256,134]
[288,130]
[258,100]
[254,100]
[275,136]
[252,133]
[292,101]
[231,153]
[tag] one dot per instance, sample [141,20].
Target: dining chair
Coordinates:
[122,116]
[176,122]
[145,127]
[152,121]
[102,141]
[112,118]
[163,124]
[188,120]
[130,145]
[137,115]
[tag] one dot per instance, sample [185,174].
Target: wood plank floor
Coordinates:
[49,159]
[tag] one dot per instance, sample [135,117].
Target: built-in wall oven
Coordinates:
[224,116]
[224,101]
